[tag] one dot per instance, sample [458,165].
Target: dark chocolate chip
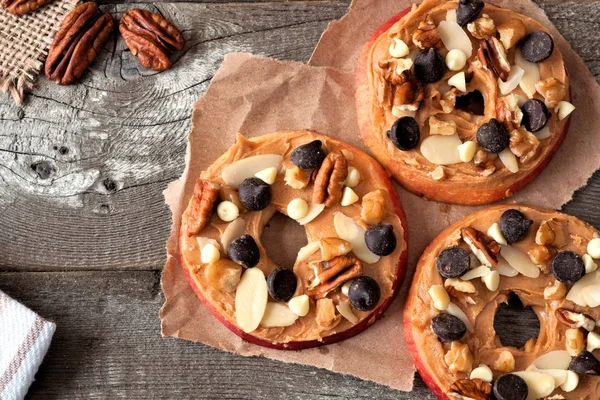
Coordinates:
[429,66]
[510,387]
[448,328]
[380,239]
[453,262]
[468,10]
[255,194]
[537,46]
[514,225]
[568,267]
[364,293]
[493,136]
[405,133]
[308,156]
[585,363]
[535,115]
[244,251]
[281,283]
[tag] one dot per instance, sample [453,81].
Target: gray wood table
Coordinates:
[83,223]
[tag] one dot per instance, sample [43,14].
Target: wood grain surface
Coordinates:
[83,222]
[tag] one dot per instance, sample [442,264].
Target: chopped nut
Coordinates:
[555,292]
[575,320]
[482,28]
[331,274]
[481,157]
[373,208]
[201,205]
[223,275]
[541,256]
[509,112]
[551,233]
[574,341]
[426,35]
[333,247]
[475,389]
[297,178]
[448,101]
[523,144]
[505,362]
[493,56]
[438,174]
[460,289]
[553,91]
[329,182]
[399,86]
[486,169]
[467,150]
[485,249]
[459,358]
[511,32]
[441,127]
[326,317]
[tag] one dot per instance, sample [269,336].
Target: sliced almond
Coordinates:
[512,82]
[305,252]
[575,294]
[491,281]
[347,229]
[591,295]
[251,299]
[477,272]
[559,375]
[313,212]
[234,174]
[505,269]
[590,265]
[441,149]
[520,261]
[454,37]
[299,305]
[531,75]
[235,229]
[557,359]
[440,297]
[346,312]
[455,310]
[509,160]
[278,314]
[539,385]
[545,133]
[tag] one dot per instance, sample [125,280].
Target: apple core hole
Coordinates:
[471,102]
[514,323]
[282,237]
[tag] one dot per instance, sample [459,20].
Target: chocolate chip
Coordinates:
[380,239]
[537,46]
[308,156]
[453,262]
[568,267]
[535,115]
[244,251]
[514,225]
[364,293]
[405,133]
[510,387]
[429,66]
[585,363]
[281,283]
[468,10]
[448,328]
[493,136]
[255,194]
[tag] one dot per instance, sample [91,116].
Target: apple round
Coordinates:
[449,322]
[355,229]
[462,116]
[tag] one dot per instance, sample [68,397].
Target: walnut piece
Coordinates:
[511,32]
[505,362]
[459,358]
[297,178]
[475,389]
[331,274]
[541,256]
[201,205]
[399,87]
[574,341]
[509,112]
[426,35]
[333,247]
[523,144]
[482,28]
[553,91]
[326,317]
[551,233]
[448,101]
[373,207]
[555,292]
[329,182]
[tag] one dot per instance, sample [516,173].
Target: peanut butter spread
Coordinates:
[322,281]
[437,107]
[442,364]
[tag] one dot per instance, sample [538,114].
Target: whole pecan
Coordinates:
[151,38]
[201,205]
[20,7]
[476,389]
[77,43]
[330,179]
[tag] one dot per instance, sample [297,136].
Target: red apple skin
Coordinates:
[418,183]
[358,328]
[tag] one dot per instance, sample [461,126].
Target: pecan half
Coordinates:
[485,249]
[493,56]
[476,389]
[575,320]
[201,205]
[20,7]
[329,181]
[82,34]
[333,273]
[426,35]
[151,38]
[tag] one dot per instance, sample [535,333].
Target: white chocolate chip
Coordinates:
[458,81]
[297,209]
[593,341]
[571,381]
[398,48]
[590,265]
[228,211]
[482,372]
[495,233]
[353,178]
[346,312]
[509,160]
[467,150]
[267,175]
[491,280]
[349,197]
[456,60]
[593,248]
[440,297]
[564,109]
[346,288]
[299,305]
[210,254]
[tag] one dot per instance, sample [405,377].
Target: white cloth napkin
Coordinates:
[24,340]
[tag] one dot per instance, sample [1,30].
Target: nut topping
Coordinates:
[555,292]
[151,38]
[511,32]
[475,389]
[553,91]
[373,207]
[201,205]
[333,247]
[523,144]
[20,7]
[482,28]
[326,317]
[493,56]
[505,362]
[574,341]
[551,233]
[459,358]
[400,88]
[441,127]
[426,35]
[485,249]
[509,112]
[297,178]
[329,182]
[541,256]
[333,273]
[575,320]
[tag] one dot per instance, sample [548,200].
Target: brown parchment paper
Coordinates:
[256,96]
